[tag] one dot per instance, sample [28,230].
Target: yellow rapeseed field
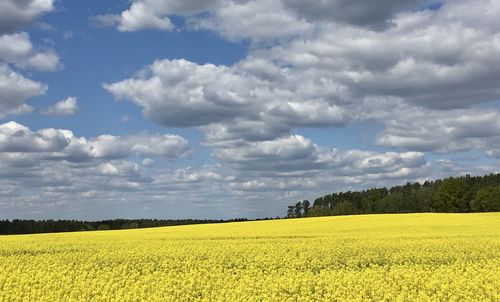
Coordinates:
[408,257]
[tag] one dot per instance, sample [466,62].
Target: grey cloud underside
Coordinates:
[180,93]
[119,188]
[14,14]
[53,168]
[296,155]
[442,131]
[45,169]
[236,20]
[374,14]
[429,59]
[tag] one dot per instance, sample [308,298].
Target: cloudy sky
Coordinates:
[236,108]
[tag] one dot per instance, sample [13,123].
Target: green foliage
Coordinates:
[454,194]
[298,209]
[301,208]
[102,227]
[486,200]
[305,207]
[17,226]
[343,208]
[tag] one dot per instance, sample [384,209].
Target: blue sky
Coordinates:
[93,56]
[223,109]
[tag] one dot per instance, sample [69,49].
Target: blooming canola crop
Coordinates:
[398,257]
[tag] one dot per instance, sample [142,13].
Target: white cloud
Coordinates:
[292,153]
[441,131]
[412,74]
[104,20]
[44,61]
[407,77]
[296,155]
[86,176]
[85,190]
[65,107]
[15,137]
[56,144]
[152,14]
[182,93]
[140,16]
[15,90]
[437,59]
[15,14]
[234,20]
[147,162]
[18,50]
[258,20]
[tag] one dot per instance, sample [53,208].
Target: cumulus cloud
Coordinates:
[292,153]
[152,14]
[428,63]
[170,146]
[233,101]
[441,131]
[140,16]
[182,93]
[436,59]
[15,90]
[110,183]
[359,12]
[56,144]
[15,14]
[83,173]
[18,50]
[428,58]
[15,137]
[237,20]
[65,107]
[416,77]
[297,155]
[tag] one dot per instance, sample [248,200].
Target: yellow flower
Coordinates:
[411,257]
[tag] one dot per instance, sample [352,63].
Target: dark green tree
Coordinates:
[452,196]
[344,208]
[298,209]
[305,207]
[486,200]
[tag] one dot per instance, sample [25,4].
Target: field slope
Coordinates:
[407,257]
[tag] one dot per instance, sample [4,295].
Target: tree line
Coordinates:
[454,195]
[18,226]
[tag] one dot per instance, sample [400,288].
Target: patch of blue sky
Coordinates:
[94,56]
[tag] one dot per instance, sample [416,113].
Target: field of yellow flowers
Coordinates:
[408,257]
